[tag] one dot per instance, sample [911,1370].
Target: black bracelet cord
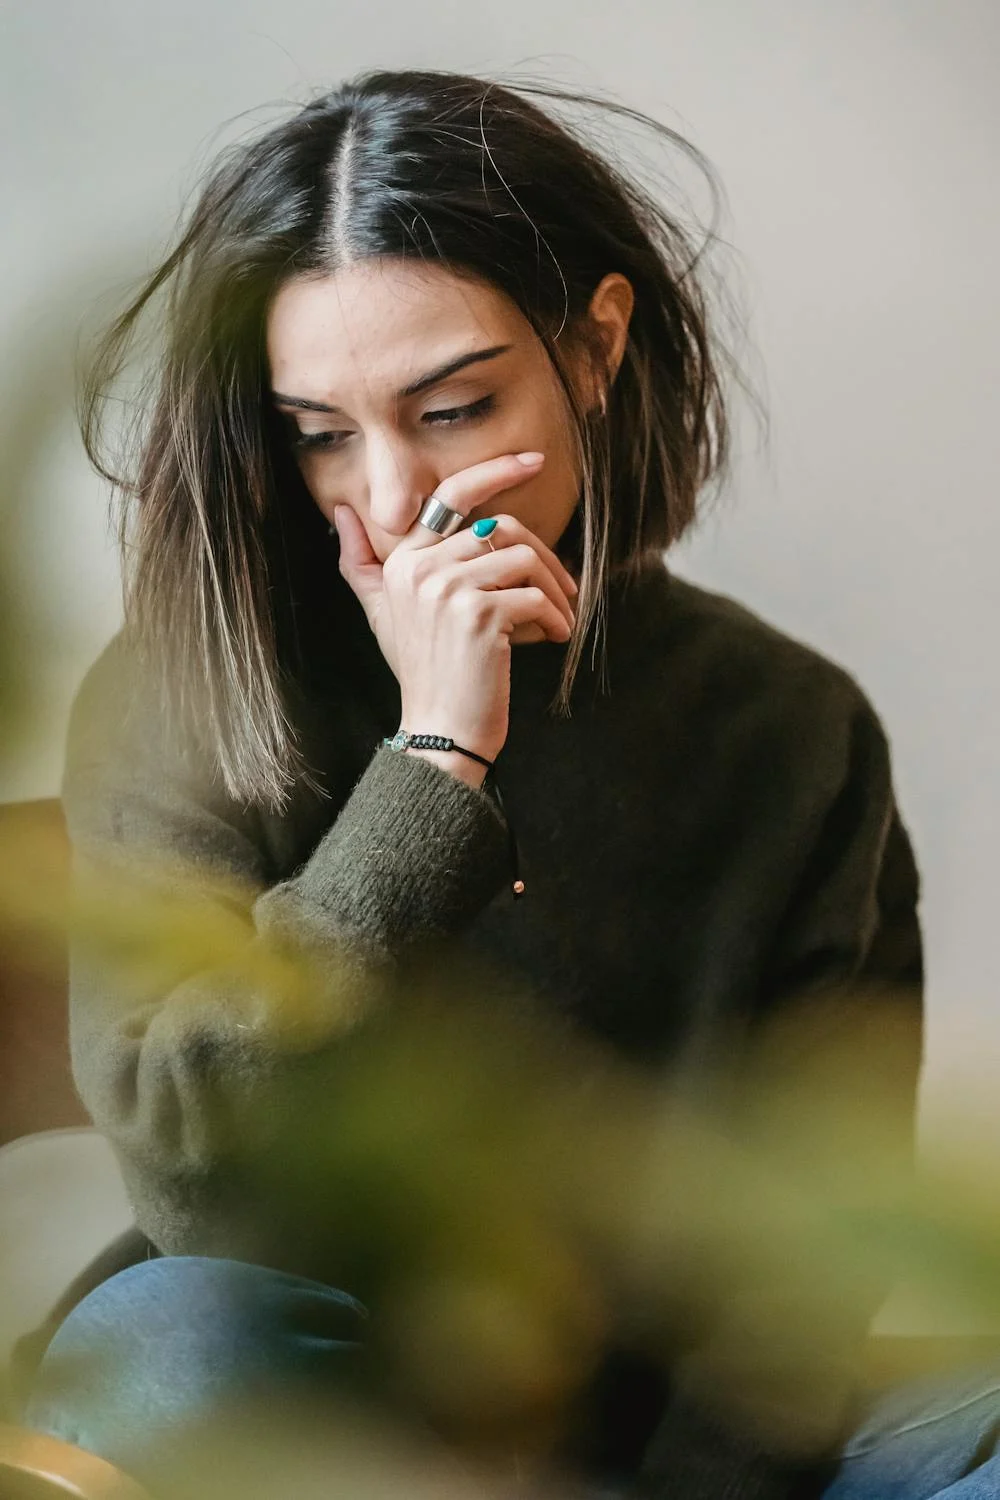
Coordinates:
[406,741]
[438,742]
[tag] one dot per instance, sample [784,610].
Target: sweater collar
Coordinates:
[633,616]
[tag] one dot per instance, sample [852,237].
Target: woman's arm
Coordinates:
[206,1000]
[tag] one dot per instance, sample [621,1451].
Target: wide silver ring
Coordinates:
[440,518]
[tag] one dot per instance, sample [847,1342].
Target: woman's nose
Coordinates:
[398,485]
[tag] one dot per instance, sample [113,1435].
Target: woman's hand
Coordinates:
[445,612]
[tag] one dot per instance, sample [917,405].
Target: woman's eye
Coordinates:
[445,417]
[302,440]
[469,413]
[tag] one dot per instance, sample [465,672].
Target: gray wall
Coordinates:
[858,141]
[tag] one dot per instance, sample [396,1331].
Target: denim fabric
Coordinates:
[933,1439]
[163,1354]
[170,1347]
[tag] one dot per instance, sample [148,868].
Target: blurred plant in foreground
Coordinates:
[510,1194]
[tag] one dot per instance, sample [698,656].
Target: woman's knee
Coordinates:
[175,1341]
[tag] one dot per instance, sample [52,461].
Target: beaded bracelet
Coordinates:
[405,741]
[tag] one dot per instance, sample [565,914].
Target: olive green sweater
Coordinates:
[711,834]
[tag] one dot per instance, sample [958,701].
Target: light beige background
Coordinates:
[858,142]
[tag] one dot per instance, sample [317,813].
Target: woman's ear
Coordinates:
[610,312]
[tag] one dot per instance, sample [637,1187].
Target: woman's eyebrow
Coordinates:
[441,372]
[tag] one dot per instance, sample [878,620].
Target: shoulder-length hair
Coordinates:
[219,538]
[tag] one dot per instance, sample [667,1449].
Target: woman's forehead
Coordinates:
[386,320]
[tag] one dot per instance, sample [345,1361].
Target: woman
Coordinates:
[438,390]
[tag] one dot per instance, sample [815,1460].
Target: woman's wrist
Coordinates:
[465,763]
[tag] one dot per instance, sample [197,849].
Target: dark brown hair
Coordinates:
[458,171]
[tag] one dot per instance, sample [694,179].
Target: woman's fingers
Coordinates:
[508,532]
[532,606]
[359,566]
[518,565]
[469,488]
[527,635]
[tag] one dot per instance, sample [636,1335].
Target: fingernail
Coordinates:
[336,516]
[529,459]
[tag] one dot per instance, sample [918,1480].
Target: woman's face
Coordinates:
[390,377]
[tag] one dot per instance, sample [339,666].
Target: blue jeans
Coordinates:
[933,1439]
[166,1355]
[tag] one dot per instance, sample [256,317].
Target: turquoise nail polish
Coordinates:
[482,529]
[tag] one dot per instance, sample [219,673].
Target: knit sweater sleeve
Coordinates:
[762,1401]
[207,997]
